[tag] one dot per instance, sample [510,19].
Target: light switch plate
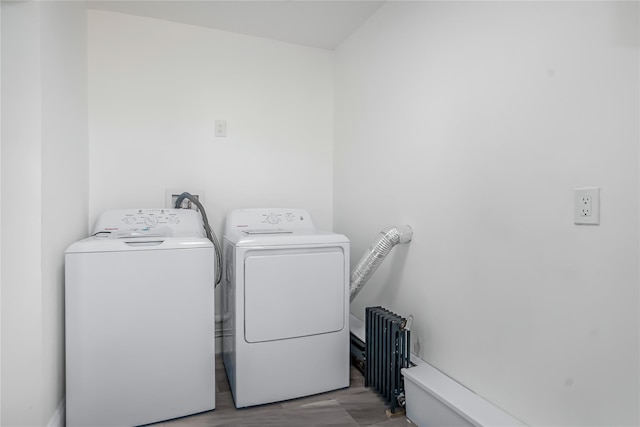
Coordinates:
[221,128]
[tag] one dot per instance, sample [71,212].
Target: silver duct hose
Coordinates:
[388,238]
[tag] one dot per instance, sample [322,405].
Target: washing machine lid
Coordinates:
[106,244]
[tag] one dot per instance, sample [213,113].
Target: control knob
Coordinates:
[151,220]
[273,218]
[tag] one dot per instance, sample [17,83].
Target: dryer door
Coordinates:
[294,293]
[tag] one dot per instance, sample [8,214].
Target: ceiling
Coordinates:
[321,24]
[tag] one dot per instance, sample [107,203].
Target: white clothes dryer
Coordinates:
[139,305]
[285,306]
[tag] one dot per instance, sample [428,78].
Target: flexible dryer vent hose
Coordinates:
[387,239]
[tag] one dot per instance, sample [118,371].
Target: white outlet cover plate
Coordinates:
[578,204]
[171,192]
[221,128]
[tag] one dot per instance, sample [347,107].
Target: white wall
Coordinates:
[155,90]
[473,122]
[0,213]
[22,364]
[65,172]
[44,197]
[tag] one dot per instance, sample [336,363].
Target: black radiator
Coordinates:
[387,351]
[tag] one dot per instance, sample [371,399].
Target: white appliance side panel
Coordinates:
[139,336]
[229,312]
[293,293]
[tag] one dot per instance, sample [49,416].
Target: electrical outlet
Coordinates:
[585,202]
[586,206]
[171,195]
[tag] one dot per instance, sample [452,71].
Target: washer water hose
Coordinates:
[388,238]
[208,231]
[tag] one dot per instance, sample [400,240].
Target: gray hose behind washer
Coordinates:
[388,238]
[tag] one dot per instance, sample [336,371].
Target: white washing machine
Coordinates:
[285,306]
[139,305]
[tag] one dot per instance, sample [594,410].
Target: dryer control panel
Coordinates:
[123,223]
[276,220]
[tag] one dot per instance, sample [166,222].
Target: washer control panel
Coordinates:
[254,221]
[148,222]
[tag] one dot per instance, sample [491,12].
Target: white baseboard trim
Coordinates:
[58,417]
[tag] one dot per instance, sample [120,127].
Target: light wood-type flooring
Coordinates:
[353,406]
